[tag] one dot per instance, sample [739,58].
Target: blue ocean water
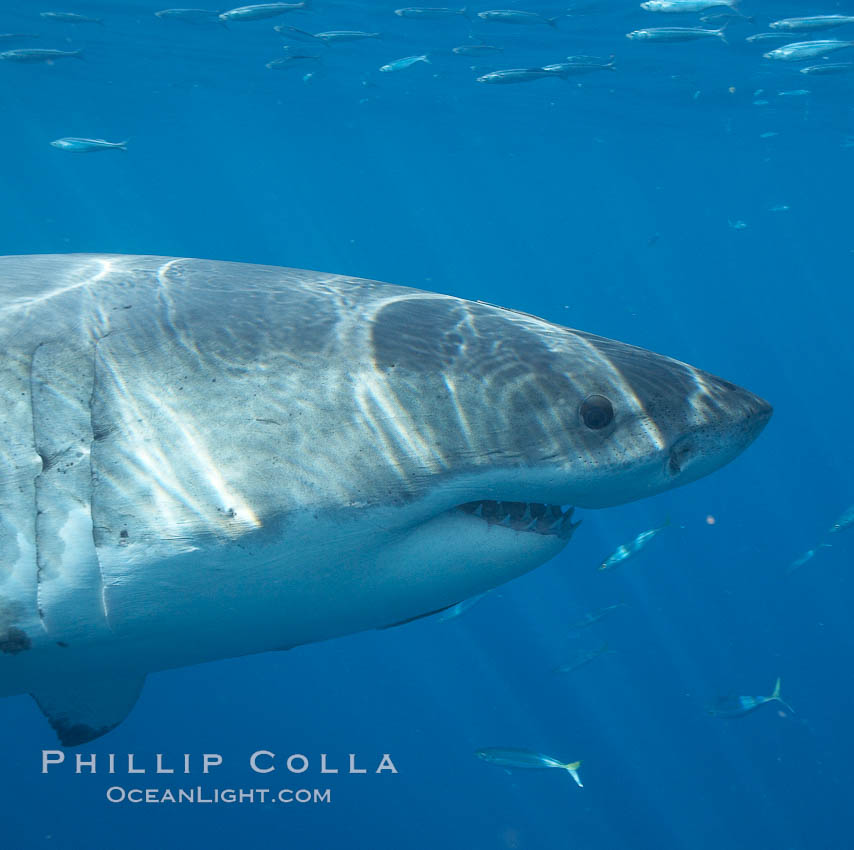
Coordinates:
[644,204]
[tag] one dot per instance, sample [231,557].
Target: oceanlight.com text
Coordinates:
[215,796]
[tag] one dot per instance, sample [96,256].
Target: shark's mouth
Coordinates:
[524,516]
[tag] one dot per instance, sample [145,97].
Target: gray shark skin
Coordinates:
[204,459]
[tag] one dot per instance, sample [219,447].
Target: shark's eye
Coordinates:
[597,412]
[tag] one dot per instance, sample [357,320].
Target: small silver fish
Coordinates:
[761,37]
[70,18]
[75,145]
[428,13]
[296,34]
[845,521]
[580,59]
[260,11]
[813,23]
[477,50]
[346,35]
[798,51]
[685,5]
[31,55]
[828,68]
[406,62]
[290,61]
[741,705]
[779,208]
[576,65]
[627,550]
[674,34]
[515,16]
[193,16]
[592,617]
[794,92]
[512,758]
[16,36]
[515,75]
[807,556]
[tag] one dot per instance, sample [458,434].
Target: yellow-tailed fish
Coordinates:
[513,758]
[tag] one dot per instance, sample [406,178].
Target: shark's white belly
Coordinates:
[320,579]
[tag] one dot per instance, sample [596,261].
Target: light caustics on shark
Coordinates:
[203,460]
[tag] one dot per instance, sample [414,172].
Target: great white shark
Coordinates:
[206,459]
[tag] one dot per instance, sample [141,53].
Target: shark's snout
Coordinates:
[722,421]
[671,423]
[755,414]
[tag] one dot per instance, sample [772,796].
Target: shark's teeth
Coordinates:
[524,516]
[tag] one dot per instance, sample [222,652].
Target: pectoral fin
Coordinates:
[81,709]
